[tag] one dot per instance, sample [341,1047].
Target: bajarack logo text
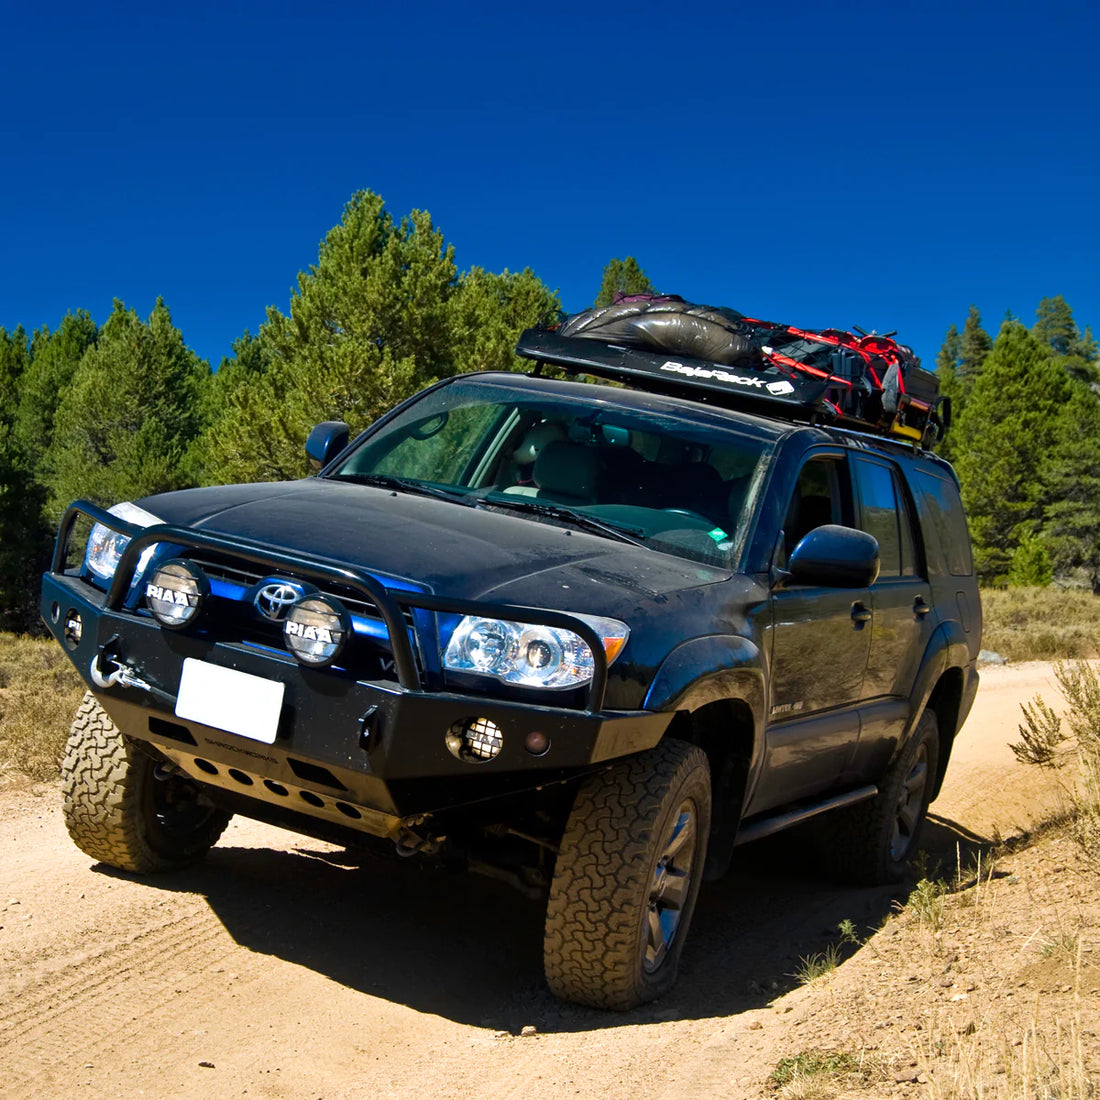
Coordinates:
[717,375]
[778,389]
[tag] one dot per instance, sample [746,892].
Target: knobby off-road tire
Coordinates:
[118,812]
[627,877]
[871,843]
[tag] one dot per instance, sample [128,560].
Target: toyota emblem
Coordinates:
[275,600]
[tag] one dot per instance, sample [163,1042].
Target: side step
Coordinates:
[765,827]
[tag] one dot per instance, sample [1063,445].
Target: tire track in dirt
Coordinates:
[102,1002]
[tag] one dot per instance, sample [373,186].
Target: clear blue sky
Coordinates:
[821,163]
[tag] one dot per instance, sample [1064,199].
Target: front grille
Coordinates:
[369,652]
[246,576]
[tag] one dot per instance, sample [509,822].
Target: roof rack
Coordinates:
[767,388]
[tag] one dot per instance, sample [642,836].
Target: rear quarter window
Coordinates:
[943,522]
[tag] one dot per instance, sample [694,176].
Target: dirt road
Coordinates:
[276,970]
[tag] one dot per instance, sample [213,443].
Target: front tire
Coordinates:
[119,812]
[627,877]
[871,843]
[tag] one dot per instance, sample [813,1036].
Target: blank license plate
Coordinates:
[230,700]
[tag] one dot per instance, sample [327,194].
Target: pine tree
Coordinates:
[489,311]
[14,359]
[947,359]
[124,426]
[54,359]
[367,327]
[23,537]
[1072,474]
[974,346]
[947,369]
[1056,328]
[1054,325]
[1003,441]
[622,276]
[381,314]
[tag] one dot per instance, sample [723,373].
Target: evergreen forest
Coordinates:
[121,410]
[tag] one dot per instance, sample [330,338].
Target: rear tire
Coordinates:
[119,812]
[627,877]
[872,843]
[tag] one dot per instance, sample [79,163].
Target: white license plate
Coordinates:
[230,700]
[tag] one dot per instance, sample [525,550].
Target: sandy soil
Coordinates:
[275,969]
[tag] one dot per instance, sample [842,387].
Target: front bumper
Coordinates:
[364,753]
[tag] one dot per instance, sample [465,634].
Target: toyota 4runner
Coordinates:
[584,637]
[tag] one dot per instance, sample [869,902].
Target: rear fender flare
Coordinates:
[948,648]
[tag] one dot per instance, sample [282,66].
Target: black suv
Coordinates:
[583,637]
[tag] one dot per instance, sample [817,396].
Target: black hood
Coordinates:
[446,548]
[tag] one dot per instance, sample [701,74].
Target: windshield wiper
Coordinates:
[624,533]
[407,485]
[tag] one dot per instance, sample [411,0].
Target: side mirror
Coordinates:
[835,557]
[325,442]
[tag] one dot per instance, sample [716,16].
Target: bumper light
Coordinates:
[176,593]
[316,629]
[475,740]
[74,628]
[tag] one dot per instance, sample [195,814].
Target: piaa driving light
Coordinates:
[316,629]
[105,547]
[176,593]
[530,654]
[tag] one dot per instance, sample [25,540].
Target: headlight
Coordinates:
[105,547]
[316,629]
[531,655]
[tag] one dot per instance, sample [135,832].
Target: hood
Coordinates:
[445,548]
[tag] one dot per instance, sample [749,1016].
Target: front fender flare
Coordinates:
[707,670]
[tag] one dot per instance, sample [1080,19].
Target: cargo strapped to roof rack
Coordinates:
[770,388]
[867,382]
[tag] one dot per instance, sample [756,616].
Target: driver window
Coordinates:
[818,499]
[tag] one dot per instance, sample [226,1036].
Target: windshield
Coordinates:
[669,482]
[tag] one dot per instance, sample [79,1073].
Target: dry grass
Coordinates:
[1041,624]
[1023,1033]
[39,691]
[985,987]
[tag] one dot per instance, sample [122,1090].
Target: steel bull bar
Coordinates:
[362,777]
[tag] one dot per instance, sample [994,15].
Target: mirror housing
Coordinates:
[834,557]
[325,442]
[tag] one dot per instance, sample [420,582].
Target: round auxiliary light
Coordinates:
[176,593]
[316,630]
[475,740]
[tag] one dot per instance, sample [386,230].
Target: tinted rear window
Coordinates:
[943,518]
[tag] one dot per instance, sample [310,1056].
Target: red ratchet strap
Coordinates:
[786,361]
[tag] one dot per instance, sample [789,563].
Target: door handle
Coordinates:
[920,608]
[860,614]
